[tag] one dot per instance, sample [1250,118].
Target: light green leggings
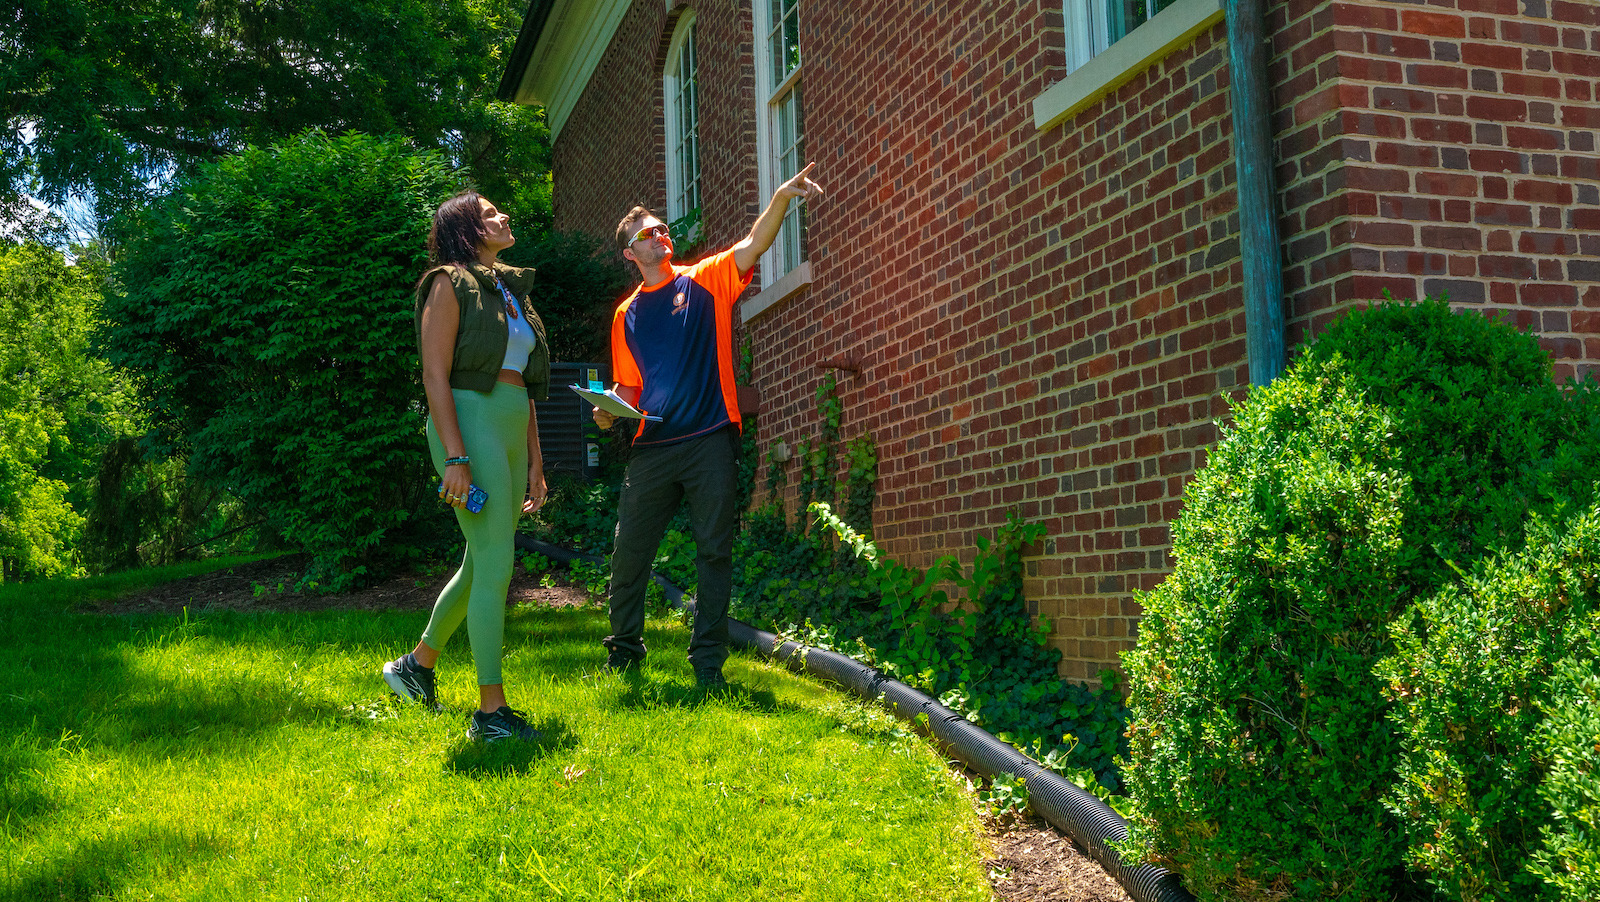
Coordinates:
[494,430]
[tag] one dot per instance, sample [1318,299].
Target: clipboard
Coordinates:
[609,402]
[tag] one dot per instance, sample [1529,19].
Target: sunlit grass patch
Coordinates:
[257,756]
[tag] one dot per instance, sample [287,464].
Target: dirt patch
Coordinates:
[269,586]
[1032,861]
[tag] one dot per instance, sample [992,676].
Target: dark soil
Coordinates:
[269,586]
[1032,861]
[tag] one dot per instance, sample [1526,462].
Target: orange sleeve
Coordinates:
[624,369]
[721,276]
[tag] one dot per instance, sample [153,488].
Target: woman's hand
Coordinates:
[536,489]
[453,487]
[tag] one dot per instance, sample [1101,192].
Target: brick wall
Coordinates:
[611,153]
[1446,148]
[1050,322]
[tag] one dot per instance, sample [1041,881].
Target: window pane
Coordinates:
[1125,15]
[783,40]
[789,138]
[685,157]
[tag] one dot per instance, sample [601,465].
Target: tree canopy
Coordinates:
[106,99]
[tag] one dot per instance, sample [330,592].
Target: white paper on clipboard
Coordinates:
[609,402]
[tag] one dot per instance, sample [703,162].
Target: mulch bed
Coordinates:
[1032,861]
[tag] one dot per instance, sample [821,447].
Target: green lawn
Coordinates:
[257,757]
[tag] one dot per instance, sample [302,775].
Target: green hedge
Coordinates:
[1402,447]
[266,304]
[1493,682]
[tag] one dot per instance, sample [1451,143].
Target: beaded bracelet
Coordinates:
[452,461]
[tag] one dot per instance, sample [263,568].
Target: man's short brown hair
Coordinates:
[629,226]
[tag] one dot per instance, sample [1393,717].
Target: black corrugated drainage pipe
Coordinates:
[1068,808]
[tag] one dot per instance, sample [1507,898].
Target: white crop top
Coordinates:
[520,340]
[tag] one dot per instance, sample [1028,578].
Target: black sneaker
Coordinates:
[411,680]
[619,661]
[710,680]
[502,724]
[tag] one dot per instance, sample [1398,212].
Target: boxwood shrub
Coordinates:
[1401,447]
[1494,684]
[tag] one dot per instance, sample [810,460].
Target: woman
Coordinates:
[484,363]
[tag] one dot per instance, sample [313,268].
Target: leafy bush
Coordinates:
[59,406]
[1401,447]
[268,303]
[979,652]
[580,280]
[1567,740]
[1493,681]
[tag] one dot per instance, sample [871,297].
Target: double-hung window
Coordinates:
[781,137]
[1094,25]
[1110,41]
[681,108]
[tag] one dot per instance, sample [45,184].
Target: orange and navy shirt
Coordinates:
[674,342]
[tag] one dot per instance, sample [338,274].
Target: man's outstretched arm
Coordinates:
[765,230]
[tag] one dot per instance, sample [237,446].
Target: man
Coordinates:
[672,357]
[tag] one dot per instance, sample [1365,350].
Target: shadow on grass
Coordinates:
[508,757]
[641,691]
[24,771]
[97,870]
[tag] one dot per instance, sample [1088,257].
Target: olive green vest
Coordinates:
[482,333]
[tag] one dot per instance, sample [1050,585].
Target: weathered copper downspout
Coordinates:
[1259,244]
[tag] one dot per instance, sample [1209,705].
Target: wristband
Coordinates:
[452,461]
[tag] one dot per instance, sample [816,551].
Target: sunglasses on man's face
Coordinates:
[649,232]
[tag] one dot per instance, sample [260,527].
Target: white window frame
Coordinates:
[1088,31]
[779,272]
[1089,79]
[680,189]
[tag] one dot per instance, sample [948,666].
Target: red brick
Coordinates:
[1447,184]
[1543,192]
[1528,33]
[1531,85]
[1535,138]
[1547,244]
[1436,76]
[1443,131]
[1586,65]
[1544,294]
[1452,238]
[1492,56]
[1497,109]
[1404,100]
[1435,24]
[1575,12]
[1363,16]
[1486,160]
[1506,267]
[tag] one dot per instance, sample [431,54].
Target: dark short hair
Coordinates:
[626,228]
[457,230]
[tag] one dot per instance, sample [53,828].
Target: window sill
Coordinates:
[781,290]
[1174,27]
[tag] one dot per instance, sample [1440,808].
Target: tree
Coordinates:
[267,304]
[58,405]
[108,99]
